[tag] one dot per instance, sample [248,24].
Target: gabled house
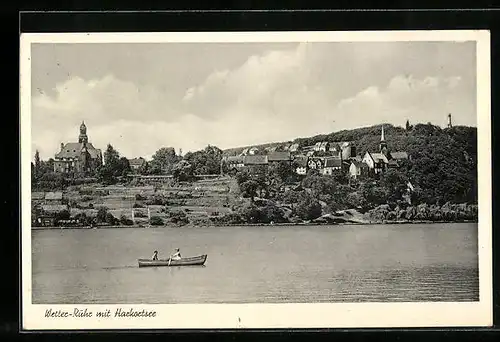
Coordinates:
[255,163]
[330,165]
[357,169]
[322,146]
[377,162]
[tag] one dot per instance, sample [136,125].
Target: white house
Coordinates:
[375,161]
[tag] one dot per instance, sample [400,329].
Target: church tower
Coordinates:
[449,121]
[383,144]
[82,138]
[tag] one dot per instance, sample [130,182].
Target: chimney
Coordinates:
[62,146]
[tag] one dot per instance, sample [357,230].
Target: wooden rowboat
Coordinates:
[192,261]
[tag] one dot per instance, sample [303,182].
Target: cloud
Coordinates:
[277,95]
[420,100]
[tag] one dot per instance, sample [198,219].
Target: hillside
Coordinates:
[443,161]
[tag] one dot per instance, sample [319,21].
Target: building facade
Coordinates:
[78,157]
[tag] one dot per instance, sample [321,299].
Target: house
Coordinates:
[357,168]
[136,163]
[274,157]
[315,163]
[400,155]
[294,147]
[330,165]
[53,197]
[301,165]
[253,151]
[255,160]
[255,163]
[323,146]
[234,162]
[244,152]
[348,150]
[79,157]
[377,162]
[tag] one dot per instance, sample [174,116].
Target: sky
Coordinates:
[140,97]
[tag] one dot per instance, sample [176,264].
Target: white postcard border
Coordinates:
[229,316]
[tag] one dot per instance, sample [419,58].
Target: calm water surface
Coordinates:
[428,262]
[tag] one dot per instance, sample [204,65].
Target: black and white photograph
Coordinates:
[223,180]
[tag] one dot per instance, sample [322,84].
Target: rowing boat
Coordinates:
[192,261]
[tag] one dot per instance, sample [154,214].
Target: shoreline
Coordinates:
[256,225]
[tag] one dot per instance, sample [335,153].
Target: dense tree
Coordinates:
[163,161]
[114,166]
[182,171]
[308,208]
[38,163]
[206,161]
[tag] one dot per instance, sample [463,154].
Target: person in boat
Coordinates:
[176,255]
[155,255]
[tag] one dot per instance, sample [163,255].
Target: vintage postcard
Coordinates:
[256,180]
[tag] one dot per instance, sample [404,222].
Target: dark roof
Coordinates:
[358,163]
[72,150]
[278,156]
[399,155]
[333,162]
[54,195]
[255,160]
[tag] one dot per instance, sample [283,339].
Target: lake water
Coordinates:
[357,263]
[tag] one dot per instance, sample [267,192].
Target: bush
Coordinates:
[110,219]
[101,215]
[156,221]
[138,205]
[139,214]
[126,221]
[179,217]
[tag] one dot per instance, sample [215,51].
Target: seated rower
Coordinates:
[155,255]
[176,255]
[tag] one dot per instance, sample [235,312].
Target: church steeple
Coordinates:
[383,144]
[82,138]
